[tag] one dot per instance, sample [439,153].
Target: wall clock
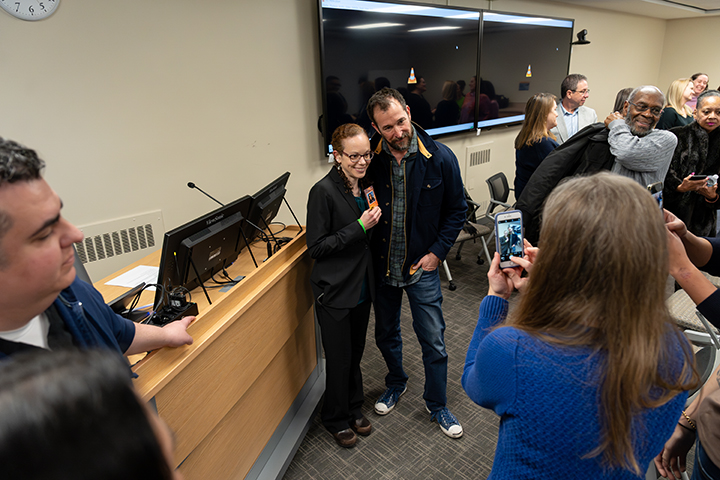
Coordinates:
[30,9]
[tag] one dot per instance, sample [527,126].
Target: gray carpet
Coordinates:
[404,444]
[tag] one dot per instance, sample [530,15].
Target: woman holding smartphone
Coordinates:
[338,226]
[694,200]
[589,372]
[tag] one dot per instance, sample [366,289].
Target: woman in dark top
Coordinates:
[535,141]
[338,226]
[448,112]
[676,113]
[695,202]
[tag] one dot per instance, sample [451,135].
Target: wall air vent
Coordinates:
[114,244]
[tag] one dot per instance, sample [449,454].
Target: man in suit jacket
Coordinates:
[573,115]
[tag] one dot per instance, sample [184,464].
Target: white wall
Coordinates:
[128,101]
[683,56]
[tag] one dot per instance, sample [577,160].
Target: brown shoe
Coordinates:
[362,426]
[345,438]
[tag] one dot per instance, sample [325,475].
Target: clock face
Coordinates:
[29,9]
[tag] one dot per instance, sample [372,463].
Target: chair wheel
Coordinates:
[452,286]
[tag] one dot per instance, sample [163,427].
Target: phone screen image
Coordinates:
[659,198]
[656,189]
[509,238]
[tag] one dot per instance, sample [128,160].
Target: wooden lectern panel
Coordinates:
[253,350]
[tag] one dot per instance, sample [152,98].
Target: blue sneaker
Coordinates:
[388,400]
[447,421]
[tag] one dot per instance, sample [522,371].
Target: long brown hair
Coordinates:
[606,236]
[534,127]
[342,132]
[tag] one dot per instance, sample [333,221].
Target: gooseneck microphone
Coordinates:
[264,236]
[192,185]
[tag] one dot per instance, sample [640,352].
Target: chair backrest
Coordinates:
[499,189]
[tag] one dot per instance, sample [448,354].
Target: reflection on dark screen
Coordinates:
[512,47]
[368,45]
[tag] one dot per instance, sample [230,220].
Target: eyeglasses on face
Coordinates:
[582,92]
[355,157]
[655,111]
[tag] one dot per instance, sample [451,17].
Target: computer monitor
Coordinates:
[217,229]
[265,206]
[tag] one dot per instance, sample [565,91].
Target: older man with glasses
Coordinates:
[641,152]
[573,115]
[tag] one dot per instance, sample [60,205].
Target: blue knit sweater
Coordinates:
[547,398]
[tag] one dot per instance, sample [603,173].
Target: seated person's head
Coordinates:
[36,242]
[71,415]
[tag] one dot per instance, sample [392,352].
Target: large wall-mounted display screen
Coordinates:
[367,45]
[520,56]
[434,56]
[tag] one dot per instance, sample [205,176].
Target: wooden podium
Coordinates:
[241,397]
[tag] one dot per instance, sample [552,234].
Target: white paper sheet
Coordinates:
[133,278]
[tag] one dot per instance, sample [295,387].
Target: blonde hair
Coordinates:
[607,236]
[449,90]
[534,127]
[675,99]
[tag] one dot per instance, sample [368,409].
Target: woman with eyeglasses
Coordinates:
[339,223]
[688,192]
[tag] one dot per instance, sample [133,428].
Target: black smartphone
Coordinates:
[698,177]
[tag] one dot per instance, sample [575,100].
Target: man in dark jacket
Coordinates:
[42,304]
[418,185]
[585,152]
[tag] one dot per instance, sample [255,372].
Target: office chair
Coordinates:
[499,193]
[473,229]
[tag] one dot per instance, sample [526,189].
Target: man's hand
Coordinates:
[428,263]
[613,116]
[176,332]
[150,337]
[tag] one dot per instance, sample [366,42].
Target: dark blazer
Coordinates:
[338,244]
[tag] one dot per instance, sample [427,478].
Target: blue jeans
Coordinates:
[425,299]
[704,468]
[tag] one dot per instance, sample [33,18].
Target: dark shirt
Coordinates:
[528,158]
[670,118]
[420,110]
